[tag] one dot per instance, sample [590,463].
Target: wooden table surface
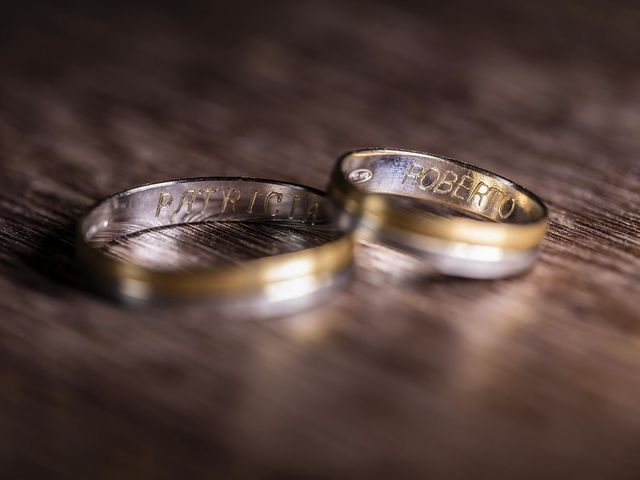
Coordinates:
[532,377]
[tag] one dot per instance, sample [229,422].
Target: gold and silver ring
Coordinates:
[501,239]
[266,280]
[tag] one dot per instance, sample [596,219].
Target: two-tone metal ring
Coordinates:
[265,280]
[501,238]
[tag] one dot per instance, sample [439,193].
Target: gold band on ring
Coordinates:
[197,200]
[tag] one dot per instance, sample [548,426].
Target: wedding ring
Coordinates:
[267,280]
[502,240]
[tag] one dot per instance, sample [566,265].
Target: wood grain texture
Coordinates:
[532,377]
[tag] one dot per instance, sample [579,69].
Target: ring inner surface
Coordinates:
[446,182]
[202,200]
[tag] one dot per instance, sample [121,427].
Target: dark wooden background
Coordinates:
[532,377]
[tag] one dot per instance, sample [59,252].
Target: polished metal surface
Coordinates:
[501,239]
[270,280]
